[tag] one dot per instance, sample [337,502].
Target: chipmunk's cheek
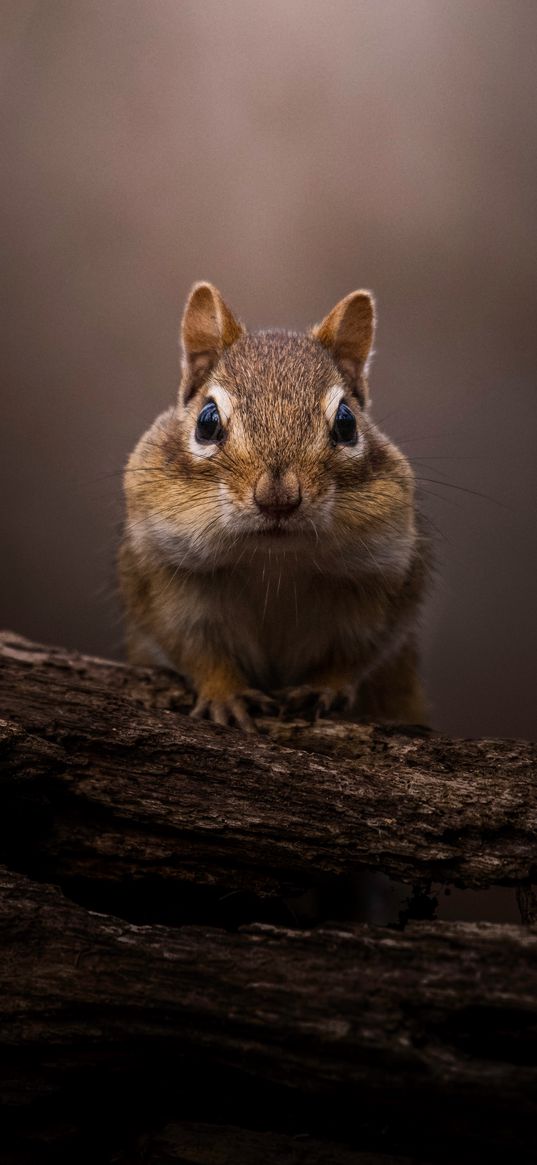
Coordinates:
[229,504]
[323,500]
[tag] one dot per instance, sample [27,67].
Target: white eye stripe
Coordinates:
[222,400]
[197,449]
[356,450]
[331,402]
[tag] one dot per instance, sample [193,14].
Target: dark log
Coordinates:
[390,1039]
[104,778]
[199,1144]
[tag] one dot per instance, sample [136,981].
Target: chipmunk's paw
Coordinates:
[235,710]
[313,701]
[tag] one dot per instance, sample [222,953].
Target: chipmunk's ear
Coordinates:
[348,332]
[207,328]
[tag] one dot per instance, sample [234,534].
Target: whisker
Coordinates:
[315,531]
[464,489]
[432,494]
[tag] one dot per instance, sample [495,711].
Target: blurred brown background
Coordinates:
[288,150]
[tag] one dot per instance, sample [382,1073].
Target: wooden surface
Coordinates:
[197,1144]
[97,783]
[130,1038]
[364,1026]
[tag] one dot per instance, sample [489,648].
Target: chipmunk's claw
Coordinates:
[234,711]
[228,713]
[267,705]
[314,702]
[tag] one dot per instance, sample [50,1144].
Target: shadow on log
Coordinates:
[138,1044]
[344,1033]
[197,1144]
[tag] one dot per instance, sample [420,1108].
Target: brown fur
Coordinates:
[322,604]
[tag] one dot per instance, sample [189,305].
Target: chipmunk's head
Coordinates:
[272,440]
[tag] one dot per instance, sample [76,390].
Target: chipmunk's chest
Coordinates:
[282,620]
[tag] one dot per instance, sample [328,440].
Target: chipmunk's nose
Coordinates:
[277,496]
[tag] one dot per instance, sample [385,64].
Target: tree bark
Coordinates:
[362,1039]
[367,1033]
[104,779]
[197,1144]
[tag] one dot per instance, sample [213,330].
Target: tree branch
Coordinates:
[103,777]
[347,1029]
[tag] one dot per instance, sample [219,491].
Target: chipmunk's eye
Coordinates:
[344,428]
[209,425]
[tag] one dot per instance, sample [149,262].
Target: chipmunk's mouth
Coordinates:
[277,529]
[282,530]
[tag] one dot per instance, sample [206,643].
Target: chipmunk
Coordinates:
[272,544]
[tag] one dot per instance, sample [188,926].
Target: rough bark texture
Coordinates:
[196,1144]
[147,1044]
[98,784]
[355,1028]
